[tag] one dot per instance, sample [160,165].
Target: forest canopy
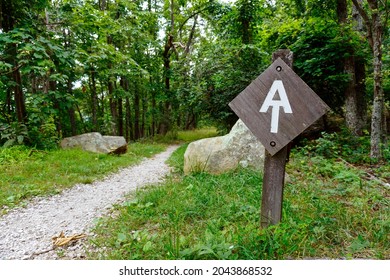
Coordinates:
[145,68]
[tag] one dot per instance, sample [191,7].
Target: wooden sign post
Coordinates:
[274,170]
[276,107]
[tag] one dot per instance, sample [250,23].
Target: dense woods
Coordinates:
[144,68]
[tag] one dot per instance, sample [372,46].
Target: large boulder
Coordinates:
[220,154]
[96,143]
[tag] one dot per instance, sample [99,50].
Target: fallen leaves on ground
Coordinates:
[62,240]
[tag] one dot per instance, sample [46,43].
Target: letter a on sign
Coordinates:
[269,101]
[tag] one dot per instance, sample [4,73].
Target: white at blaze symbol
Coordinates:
[269,101]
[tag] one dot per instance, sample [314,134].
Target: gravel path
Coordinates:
[26,233]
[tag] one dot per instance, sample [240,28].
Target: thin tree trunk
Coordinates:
[353,109]
[154,108]
[128,126]
[144,110]
[166,121]
[129,130]
[191,37]
[377,110]
[52,87]
[113,108]
[120,117]
[94,99]
[20,105]
[375,32]
[137,134]
[9,103]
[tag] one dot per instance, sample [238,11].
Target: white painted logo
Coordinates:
[269,101]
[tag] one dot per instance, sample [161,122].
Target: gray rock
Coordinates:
[95,142]
[117,144]
[220,154]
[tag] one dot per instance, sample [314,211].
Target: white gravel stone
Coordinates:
[26,233]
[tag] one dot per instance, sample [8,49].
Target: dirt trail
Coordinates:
[26,233]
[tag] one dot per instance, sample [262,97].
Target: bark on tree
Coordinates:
[120,117]
[113,107]
[20,105]
[374,22]
[94,99]
[378,103]
[128,130]
[354,99]
[168,48]
[137,133]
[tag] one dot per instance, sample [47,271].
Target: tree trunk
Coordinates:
[120,117]
[154,108]
[144,110]
[113,108]
[20,105]
[378,104]
[164,125]
[357,18]
[375,31]
[52,87]
[9,104]
[94,100]
[137,134]
[354,111]
[351,110]
[128,126]
[191,37]
[129,130]
[166,121]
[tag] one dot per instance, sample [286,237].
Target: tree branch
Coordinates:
[16,68]
[189,42]
[196,13]
[366,20]
[362,12]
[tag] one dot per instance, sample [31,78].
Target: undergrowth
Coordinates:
[331,210]
[336,203]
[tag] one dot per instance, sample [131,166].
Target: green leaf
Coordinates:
[38,56]
[121,237]
[20,139]
[359,244]
[9,143]
[148,246]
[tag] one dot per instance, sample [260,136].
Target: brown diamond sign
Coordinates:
[278,106]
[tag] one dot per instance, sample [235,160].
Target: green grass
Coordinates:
[25,173]
[330,211]
[192,135]
[187,135]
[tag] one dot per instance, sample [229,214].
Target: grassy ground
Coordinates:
[333,205]
[331,210]
[25,173]
[192,135]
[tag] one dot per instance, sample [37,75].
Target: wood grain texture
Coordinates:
[306,107]
[273,185]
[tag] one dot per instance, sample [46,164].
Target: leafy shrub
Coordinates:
[13,154]
[44,135]
[354,149]
[13,134]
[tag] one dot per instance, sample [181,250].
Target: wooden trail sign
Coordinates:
[276,107]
